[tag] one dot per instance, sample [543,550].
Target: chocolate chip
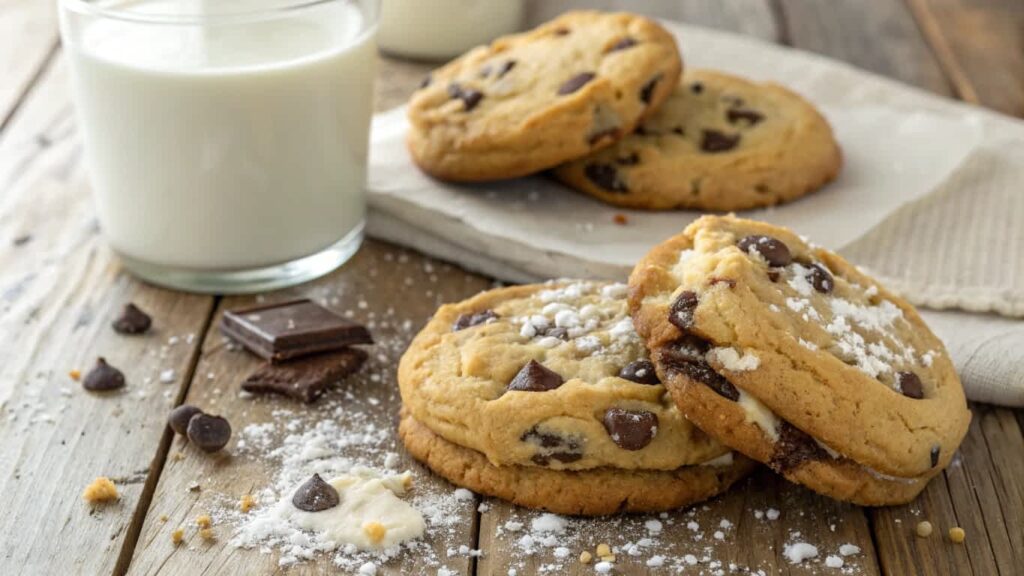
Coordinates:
[561,31]
[425,82]
[22,240]
[469,320]
[714,141]
[936,450]
[696,87]
[686,356]
[506,68]
[774,275]
[179,417]
[910,385]
[132,320]
[605,176]
[734,115]
[630,429]
[575,83]
[771,249]
[631,160]
[534,377]
[209,433]
[103,377]
[315,495]
[680,314]
[794,447]
[552,447]
[648,89]
[622,44]
[819,277]
[640,371]
[679,130]
[470,97]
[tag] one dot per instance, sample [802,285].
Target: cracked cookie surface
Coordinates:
[547,376]
[789,354]
[719,143]
[531,101]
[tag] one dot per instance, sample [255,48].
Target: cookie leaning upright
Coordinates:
[534,100]
[543,395]
[719,143]
[789,354]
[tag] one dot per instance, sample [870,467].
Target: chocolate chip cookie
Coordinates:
[548,377]
[719,143]
[534,100]
[791,355]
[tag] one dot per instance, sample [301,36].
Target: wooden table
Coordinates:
[60,287]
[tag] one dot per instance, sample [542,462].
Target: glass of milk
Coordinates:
[442,29]
[225,140]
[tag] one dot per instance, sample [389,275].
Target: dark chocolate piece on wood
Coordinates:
[305,379]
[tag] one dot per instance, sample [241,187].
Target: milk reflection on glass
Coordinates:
[440,29]
[226,140]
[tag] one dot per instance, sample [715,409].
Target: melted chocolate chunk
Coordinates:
[696,87]
[648,89]
[534,377]
[771,249]
[623,44]
[605,176]
[103,377]
[686,356]
[575,83]
[469,320]
[209,433]
[936,450]
[714,141]
[630,429]
[910,385]
[820,278]
[794,447]
[552,447]
[132,320]
[469,96]
[315,495]
[734,115]
[179,417]
[640,371]
[680,314]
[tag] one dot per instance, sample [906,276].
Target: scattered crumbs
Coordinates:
[957,534]
[849,549]
[772,514]
[463,495]
[620,219]
[204,521]
[924,529]
[100,490]
[833,561]
[797,552]
[75,375]
[178,536]
[207,534]
[167,376]
[586,557]
[163,518]
[484,507]
[246,503]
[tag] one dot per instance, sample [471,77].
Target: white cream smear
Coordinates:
[370,516]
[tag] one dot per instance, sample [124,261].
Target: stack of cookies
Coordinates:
[601,100]
[735,341]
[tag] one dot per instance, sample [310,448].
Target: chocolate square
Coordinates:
[307,378]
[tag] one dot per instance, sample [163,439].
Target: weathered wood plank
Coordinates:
[29,30]
[59,289]
[978,45]
[394,292]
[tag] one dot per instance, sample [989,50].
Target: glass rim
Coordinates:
[93,9]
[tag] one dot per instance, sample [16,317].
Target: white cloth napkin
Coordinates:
[928,200]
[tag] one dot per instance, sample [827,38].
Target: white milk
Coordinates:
[437,29]
[226,147]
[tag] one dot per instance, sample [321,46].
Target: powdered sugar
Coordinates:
[797,552]
[732,361]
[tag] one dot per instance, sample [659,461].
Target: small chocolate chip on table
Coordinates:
[286,330]
[132,320]
[305,379]
[103,377]
[209,433]
[315,495]
[179,417]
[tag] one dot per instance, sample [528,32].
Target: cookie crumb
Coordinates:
[163,518]
[178,536]
[207,534]
[246,503]
[101,490]
[586,557]
[375,531]
[75,375]
[620,219]
[178,456]
[924,529]
[957,534]
[204,521]
[603,550]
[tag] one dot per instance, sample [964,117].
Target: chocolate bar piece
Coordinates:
[305,379]
[287,330]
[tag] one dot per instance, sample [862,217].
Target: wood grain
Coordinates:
[60,287]
[29,32]
[393,292]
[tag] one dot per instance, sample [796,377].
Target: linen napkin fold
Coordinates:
[928,200]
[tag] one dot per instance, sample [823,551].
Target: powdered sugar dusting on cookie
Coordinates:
[733,361]
[580,314]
